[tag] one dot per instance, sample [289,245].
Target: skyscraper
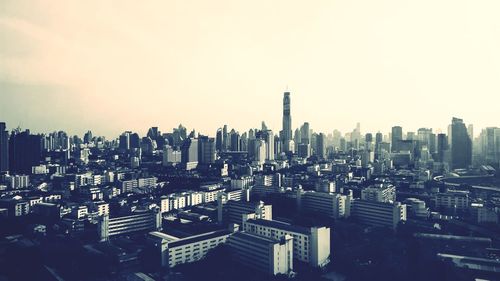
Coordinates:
[320,146]
[125,141]
[225,139]
[235,140]
[87,138]
[218,140]
[396,137]
[287,121]
[461,145]
[189,153]
[442,146]
[268,138]
[305,134]
[25,151]
[206,150]
[4,148]
[489,146]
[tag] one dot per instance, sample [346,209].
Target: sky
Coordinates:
[112,66]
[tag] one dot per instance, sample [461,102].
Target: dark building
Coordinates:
[287,120]
[396,137]
[225,140]
[321,146]
[4,148]
[135,141]
[87,138]
[25,151]
[368,137]
[189,153]
[442,146]
[218,140]
[235,141]
[124,142]
[206,150]
[461,145]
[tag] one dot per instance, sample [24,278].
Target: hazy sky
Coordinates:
[110,67]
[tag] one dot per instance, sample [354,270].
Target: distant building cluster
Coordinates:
[273,200]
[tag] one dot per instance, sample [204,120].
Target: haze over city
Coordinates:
[119,66]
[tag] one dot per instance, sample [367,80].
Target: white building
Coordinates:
[310,245]
[231,211]
[325,185]
[330,204]
[18,181]
[379,193]
[269,255]
[175,251]
[451,200]
[378,213]
[171,157]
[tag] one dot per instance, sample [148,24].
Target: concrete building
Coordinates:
[416,208]
[174,251]
[231,211]
[453,200]
[189,153]
[325,185]
[329,204]
[136,222]
[272,256]
[15,207]
[310,245]
[206,150]
[461,145]
[379,193]
[18,181]
[171,157]
[375,213]
[286,133]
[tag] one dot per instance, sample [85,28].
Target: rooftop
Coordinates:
[281,225]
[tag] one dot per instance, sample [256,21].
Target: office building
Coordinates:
[452,200]
[461,145]
[379,193]
[136,222]
[332,205]
[321,146]
[305,133]
[15,207]
[231,211]
[189,153]
[375,213]
[235,140]
[396,137]
[268,137]
[124,141]
[287,122]
[171,157]
[310,244]
[416,208]
[206,150]
[271,256]
[442,147]
[4,148]
[25,151]
[489,146]
[174,251]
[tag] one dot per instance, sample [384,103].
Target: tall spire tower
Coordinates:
[287,120]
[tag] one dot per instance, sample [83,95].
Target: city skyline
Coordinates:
[374,63]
